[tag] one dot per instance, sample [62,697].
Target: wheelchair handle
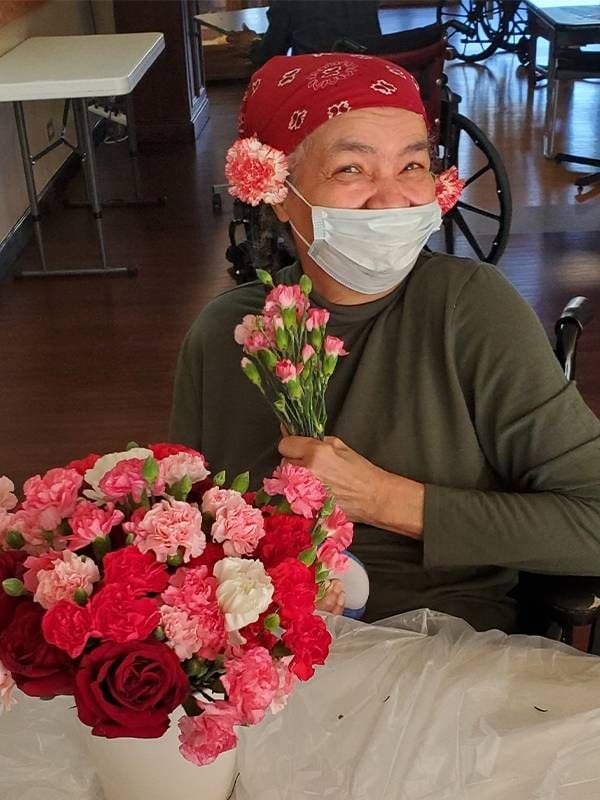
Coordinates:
[575,315]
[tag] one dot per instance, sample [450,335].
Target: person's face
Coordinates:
[369,158]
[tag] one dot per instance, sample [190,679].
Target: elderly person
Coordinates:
[456,445]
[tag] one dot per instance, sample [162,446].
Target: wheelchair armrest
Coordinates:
[568,600]
[569,325]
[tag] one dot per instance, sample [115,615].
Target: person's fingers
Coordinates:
[294,447]
[283,429]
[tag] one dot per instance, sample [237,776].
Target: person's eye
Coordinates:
[348,169]
[413,166]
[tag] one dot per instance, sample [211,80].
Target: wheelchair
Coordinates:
[478,226]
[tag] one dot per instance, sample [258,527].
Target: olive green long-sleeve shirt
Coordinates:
[450,380]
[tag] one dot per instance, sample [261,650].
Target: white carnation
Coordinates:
[244,592]
[104,464]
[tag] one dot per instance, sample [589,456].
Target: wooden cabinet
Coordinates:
[170,100]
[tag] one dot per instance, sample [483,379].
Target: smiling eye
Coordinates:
[349,169]
[414,165]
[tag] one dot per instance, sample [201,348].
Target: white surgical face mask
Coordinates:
[369,250]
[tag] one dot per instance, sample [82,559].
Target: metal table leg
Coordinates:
[137,200]
[86,151]
[551,104]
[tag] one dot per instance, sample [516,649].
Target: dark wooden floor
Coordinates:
[87,364]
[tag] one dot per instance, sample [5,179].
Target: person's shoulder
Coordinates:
[454,277]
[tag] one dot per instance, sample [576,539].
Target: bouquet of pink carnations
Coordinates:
[137,583]
[289,357]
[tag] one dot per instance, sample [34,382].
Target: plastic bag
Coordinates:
[42,755]
[422,706]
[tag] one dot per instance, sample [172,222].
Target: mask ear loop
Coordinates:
[299,194]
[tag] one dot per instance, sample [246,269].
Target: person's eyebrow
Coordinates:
[353,146]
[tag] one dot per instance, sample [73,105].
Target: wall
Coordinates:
[55,17]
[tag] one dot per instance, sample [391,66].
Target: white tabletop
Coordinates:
[61,67]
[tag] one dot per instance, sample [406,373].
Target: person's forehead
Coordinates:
[370,128]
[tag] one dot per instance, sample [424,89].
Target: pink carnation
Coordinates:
[5,526]
[239,529]
[125,479]
[179,465]
[62,577]
[34,564]
[191,588]
[244,329]
[216,499]
[286,682]
[448,188]
[256,172]
[284,297]
[339,528]
[251,682]
[301,488]
[169,527]
[8,500]
[256,341]
[204,737]
[331,556]
[308,352]
[317,318]
[26,522]
[52,497]
[286,371]
[7,686]
[334,346]
[201,633]
[89,522]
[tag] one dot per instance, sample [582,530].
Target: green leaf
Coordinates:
[241,482]
[262,498]
[327,508]
[284,507]
[272,622]
[219,478]
[181,489]
[131,445]
[150,470]
[130,538]
[318,536]
[196,667]
[322,574]
[191,707]
[265,278]
[15,540]
[279,650]
[321,593]
[268,358]
[13,587]
[159,633]
[308,556]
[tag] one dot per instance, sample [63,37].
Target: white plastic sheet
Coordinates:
[421,707]
[424,707]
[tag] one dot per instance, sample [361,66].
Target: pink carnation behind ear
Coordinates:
[448,188]
[256,172]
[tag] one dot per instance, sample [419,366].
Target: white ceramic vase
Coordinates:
[154,769]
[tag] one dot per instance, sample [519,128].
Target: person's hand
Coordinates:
[352,479]
[242,40]
[334,600]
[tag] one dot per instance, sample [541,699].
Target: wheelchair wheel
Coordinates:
[479,225]
[475,28]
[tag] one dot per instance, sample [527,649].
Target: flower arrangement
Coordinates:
[138,583]
[289,357]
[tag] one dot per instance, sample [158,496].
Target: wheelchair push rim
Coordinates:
[485,209]
[475,29]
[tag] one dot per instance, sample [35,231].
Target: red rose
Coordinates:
[68,626]
[295,589]
[210,555]
[286,537]
[39,668]
[140,572]
[11,566]
[129,689]
[81,465]
[309,641]
[119,616]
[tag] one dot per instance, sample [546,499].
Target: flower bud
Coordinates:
[80,597]
[268,358]
[308,556]
[316,338]
[294,389]
[305,284]
[251,372]
[176,560]
[272,622]
[281,339]
[13,587]
[15,540]
[265,278]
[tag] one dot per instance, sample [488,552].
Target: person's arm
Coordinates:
[185,425]
[277,39]
[535,431]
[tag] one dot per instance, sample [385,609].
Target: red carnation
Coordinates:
[256,635]
[129,689]
[309,640]
[68,626]
[119,616]
[82,465]
[164,449]
[286,537]
[139,572]
[38,668]
[11,566]
[294,589]
[212,553]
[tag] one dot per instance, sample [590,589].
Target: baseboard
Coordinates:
[21,233]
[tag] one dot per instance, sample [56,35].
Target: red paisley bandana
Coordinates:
[289,97]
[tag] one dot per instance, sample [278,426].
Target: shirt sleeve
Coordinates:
[185,426]
[536,433]
[278,37]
